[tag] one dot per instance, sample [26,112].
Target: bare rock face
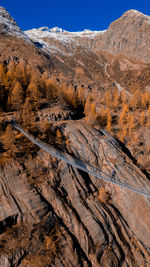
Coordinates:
[100,224]
[129,36]
[4,261]
[16,196]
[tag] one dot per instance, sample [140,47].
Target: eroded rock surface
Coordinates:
[94,230]
[128,35]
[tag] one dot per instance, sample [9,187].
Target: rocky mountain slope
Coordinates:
[16,45]
[95,219]
[9,26]
[88,57]
[52,214]
[81,58]
[128,36]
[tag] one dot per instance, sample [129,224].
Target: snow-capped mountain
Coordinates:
[67,40]
[16,45]
[128,35]
[47,32]
[83,56]
[60,30]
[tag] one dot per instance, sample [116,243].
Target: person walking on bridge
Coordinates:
[113,174]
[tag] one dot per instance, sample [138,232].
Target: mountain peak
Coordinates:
[56,30]
[133,11]
[53,30]
[136,13]
[5,17]
[9,26]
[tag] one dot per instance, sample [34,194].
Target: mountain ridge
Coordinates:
[57,29]
[118,38]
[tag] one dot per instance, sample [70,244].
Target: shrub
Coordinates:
[103,195]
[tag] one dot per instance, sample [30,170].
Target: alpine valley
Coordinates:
[86,94]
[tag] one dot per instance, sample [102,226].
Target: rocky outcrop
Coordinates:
[99,224]
[128,36]
[55,113]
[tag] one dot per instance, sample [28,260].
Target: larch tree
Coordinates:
[33,91]
[132,121]
[28,113]
[145,100]
[124,115]
[135,101]
[12,66]
[109,120]
[3,70]
[124,97]
[51,89]
[17,96]
[20,73]
[89,109]
[8,142]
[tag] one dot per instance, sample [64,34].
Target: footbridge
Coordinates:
[77,163]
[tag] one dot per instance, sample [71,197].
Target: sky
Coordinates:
[71,15]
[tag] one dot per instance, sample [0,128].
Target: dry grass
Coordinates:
[13,239]
[40,246]
[46,252]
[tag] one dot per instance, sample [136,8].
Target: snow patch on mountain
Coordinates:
[54,30]
[49,47]
[59,33]
[9,26]
[38,35]
[45,36]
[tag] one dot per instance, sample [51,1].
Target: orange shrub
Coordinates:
[103,195]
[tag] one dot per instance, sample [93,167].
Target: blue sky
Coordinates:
[71,15]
